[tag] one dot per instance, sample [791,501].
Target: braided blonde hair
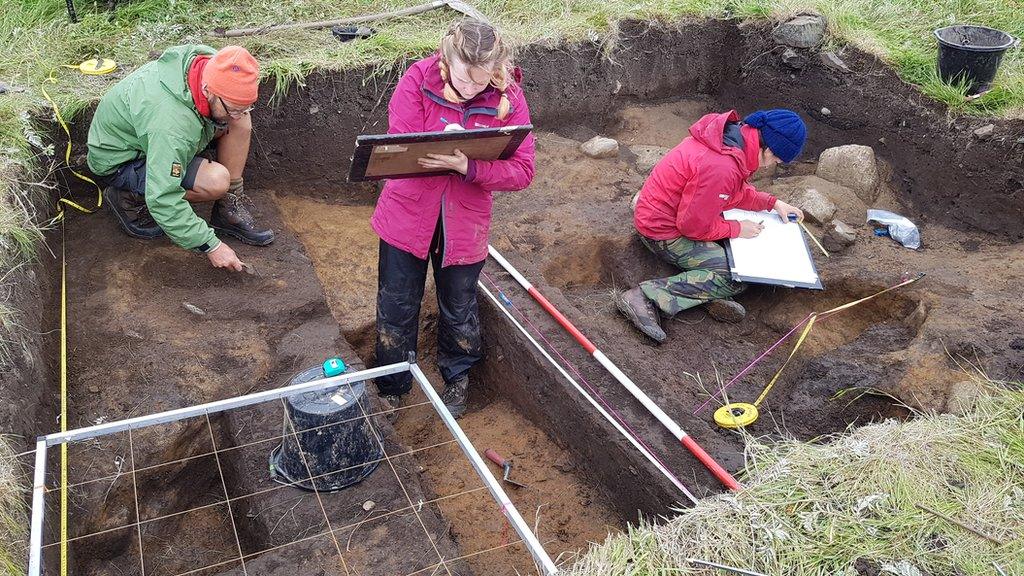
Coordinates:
[477,44]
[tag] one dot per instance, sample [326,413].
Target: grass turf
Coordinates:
[851,506]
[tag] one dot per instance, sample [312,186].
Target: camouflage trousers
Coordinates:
[705,275]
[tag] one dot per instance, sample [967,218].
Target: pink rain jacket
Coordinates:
[408,209]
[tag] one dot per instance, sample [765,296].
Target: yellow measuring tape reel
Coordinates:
[740,414]
[94,66]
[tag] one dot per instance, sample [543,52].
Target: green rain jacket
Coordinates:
[150,114]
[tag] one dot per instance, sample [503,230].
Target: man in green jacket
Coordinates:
[146,137]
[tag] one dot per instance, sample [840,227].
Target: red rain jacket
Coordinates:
[408,209]
[699,179]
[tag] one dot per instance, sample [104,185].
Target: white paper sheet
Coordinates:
[778,255]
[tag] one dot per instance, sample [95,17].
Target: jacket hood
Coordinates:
[710,131]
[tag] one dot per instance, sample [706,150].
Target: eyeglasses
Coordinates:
[235,112]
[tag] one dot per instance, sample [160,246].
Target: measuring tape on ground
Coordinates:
[740,414]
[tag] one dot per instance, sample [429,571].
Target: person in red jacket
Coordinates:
[444,220]
[679,212]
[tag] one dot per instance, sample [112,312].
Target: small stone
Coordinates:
[3,88]
[852,166]
[94,389]
[838,236]
[882,141]
[985,132]
[793,59]
[647,157]
[194,309]
[802,31]
[833,61]
[314,109]
[816,206]
[369,505]
[826,112]
[600,147]
[133,334]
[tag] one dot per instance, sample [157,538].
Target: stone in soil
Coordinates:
[816,205]
[838,236]
[600,147]
[647,157]
[803,31]
[833,61]
[985,132]
[794,59]
[852,166]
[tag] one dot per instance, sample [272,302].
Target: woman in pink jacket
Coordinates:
[469,82]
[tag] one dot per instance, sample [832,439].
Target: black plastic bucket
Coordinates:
[337,442]
[971,54]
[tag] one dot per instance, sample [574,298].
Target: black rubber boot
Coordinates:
[231,217]
[641,311]
[725,310]
[132,213]
[455,395]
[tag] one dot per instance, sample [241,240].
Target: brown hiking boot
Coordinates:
[231,217]
[726,310]
[455,395]
[641,312]
[132,213]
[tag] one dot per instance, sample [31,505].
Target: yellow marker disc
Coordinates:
[736,415]
[97,66]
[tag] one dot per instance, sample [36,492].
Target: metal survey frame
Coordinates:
[507,508]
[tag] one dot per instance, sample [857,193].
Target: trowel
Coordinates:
[506,467]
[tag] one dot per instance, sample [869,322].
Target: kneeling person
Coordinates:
[679,212]
[146,137]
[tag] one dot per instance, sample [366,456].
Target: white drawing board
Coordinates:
[778,255]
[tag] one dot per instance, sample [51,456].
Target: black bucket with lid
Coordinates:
[337,441]
[971,54]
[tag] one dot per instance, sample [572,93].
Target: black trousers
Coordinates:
[400,281]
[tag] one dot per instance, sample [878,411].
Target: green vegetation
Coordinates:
[816,508]
[13,514]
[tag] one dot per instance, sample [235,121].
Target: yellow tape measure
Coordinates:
[94,66]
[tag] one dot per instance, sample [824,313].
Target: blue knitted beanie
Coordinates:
[783,131]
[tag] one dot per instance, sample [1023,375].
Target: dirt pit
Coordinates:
[137,348]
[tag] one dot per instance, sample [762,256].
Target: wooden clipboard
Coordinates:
[395,155]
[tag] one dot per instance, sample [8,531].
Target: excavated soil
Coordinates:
[135,347]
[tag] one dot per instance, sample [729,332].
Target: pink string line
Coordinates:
[821,317]
[572,367]
[752,364]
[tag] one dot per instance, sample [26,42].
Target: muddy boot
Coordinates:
[132,213]
[389,404]
[455,394]
[726,310]
[231,217]
[641,312]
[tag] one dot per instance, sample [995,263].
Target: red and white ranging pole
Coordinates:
[689,443]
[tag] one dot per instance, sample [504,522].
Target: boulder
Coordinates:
[817,207]
[838,236]
[802,31]
[647,157]
[852,166]
[600,147]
